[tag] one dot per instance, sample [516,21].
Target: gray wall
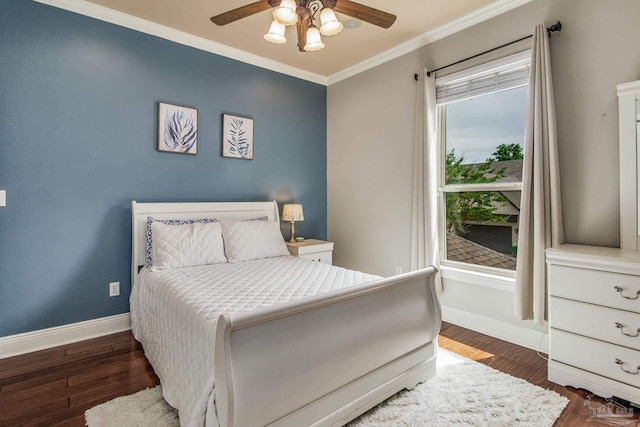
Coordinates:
[371,121]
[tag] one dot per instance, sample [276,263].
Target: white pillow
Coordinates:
[248,240]
[149,234]
[186,245]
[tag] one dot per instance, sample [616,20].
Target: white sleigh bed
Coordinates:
[289,342]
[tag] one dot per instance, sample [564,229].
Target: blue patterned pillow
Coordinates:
[149,235]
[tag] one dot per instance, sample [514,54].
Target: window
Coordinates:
[482,114]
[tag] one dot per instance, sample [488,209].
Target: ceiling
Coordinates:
[419,22]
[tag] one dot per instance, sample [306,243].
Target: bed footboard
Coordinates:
[326,359]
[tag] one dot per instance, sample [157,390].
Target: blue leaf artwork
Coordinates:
[177,129]
[237,138]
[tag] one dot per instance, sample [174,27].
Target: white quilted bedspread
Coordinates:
[174,314]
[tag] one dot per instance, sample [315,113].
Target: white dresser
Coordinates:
[629,133]
[594,319]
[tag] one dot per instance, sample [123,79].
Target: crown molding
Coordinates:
[462,23]
[105,14]
[111,16]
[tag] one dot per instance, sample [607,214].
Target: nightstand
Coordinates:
[312,249]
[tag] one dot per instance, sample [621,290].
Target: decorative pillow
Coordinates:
[186,245]
[149,232]
[248,240]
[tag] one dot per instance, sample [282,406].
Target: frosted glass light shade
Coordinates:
[329,22]
[286,12]
[314,42]
[292,212]
[276,33]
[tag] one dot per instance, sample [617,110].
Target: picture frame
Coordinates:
[177,129]
[237,137]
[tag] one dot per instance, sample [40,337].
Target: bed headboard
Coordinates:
[189,210]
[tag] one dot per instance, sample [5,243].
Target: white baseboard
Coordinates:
[520,335]
[14,345]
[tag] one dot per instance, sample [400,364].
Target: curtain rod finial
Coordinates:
[555,27]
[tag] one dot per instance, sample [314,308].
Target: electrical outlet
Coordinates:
[114,289]
[398,270]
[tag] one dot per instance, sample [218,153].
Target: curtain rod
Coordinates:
[555,27]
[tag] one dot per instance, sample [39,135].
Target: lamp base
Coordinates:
[293,232]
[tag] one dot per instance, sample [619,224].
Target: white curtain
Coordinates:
[424,224]
[541,223]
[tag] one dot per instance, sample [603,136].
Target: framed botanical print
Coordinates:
[237,137]
[177,129]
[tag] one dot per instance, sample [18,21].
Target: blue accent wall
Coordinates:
[78,138]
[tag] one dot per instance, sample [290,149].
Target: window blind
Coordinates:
[505,73]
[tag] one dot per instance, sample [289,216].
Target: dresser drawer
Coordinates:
[595,356]
[325,257]
[594,286]
[595,321]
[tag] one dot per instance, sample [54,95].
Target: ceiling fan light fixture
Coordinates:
[314,42]
[276,33]
[329,24]
[305,13]
[286,12]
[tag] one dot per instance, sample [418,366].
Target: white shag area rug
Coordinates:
[463,393]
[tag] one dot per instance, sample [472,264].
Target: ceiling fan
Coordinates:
[305,14]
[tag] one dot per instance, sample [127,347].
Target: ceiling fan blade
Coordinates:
[365,13]
[241,12]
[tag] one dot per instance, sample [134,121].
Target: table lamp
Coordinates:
[292,212]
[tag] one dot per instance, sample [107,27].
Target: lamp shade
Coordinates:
[292,212]
[286,12]
[314,42]
[276,33]
[329,23]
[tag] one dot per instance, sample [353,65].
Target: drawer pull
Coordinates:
[619,289]
[620,326]
[621,363]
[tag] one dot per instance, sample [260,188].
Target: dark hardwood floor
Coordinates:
[54,387]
